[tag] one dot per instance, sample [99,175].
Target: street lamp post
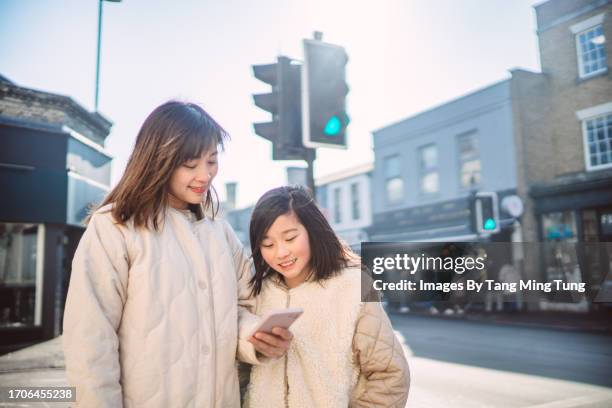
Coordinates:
[98,51]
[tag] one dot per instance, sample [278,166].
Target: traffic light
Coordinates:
[485,213]
[284,103]
[324,92]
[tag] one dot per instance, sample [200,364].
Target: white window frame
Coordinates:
[590,114]
[580,28]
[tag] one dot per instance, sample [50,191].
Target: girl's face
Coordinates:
[191,180]
[286,249]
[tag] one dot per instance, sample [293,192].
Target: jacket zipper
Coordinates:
[286,360]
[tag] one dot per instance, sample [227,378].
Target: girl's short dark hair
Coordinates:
[328,255]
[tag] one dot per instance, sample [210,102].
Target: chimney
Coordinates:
[297,175]
[230,194]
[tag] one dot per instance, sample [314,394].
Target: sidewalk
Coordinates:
[41,365]
[46,355]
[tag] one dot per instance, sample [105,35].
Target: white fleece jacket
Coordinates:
[344,352]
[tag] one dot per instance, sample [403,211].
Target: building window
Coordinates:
[429,169]
[598,141]
[591,51]
[19,264]
[590,46]
[469,160]
[337,206]
[322,196]
[355,210]
[394,184]
[559,250]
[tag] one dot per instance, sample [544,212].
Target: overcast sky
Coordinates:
[404,57]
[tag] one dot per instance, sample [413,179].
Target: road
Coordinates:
[459,363]
[454,363]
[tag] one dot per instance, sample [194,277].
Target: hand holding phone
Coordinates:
[277,318]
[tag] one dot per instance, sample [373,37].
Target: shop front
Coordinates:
[575,222]
[40,227]
[53,168]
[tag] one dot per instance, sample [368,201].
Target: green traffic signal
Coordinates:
[333,126]
[490,224]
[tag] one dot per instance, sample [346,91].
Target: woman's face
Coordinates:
[191,180]
[286,249]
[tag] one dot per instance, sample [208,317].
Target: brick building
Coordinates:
[564,138]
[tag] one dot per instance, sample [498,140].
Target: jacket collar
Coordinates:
[276,280]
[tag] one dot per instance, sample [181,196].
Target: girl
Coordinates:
[344,351]
[152,313]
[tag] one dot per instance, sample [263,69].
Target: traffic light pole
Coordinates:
[311,155]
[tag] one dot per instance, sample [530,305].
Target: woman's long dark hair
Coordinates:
[175,132]
[328,255]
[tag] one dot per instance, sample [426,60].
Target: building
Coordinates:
[53,166]
[543,136]
[565,141]
[240,219]
[426,167]
[345,199]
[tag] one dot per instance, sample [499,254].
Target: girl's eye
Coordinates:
[291,239]
[266,245]
[189,166]
[212,163]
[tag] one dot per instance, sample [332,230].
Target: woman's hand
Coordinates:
[273,344]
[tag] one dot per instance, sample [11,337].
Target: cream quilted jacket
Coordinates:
[152,318]
[344,351]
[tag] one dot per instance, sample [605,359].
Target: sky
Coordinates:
[405,57]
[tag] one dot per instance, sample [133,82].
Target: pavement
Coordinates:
[43,364]
[40,365]
[46,355]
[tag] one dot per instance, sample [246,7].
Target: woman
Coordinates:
[152,314]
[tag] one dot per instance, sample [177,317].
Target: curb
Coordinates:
[47,355]
[517,323]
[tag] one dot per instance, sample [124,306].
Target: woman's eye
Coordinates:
[266,246]
[189,166]
[212,163]
[291,239]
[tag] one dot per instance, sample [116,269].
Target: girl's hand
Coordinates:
[273,344]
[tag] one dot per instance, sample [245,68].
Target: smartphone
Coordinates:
[277,318]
